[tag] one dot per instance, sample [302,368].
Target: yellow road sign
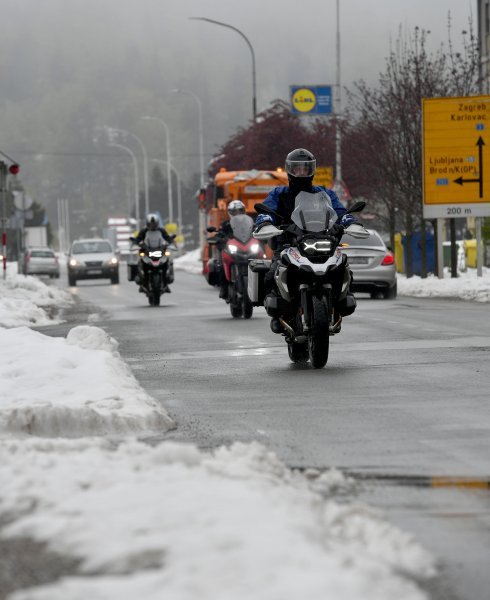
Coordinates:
[323,176]
[456,158]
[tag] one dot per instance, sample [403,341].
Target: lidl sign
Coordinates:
[456,156]
[311,99]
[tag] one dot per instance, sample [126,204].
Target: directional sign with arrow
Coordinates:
[456,171]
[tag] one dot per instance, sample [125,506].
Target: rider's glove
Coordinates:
[263,223]
[337,231]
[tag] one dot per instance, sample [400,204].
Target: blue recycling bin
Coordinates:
[417,252]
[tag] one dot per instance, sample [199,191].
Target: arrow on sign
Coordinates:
[480,143]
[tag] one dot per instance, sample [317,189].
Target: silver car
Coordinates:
[40,261]
[372,265]
[92,258]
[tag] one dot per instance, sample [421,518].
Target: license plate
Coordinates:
[94,272]
[358,260]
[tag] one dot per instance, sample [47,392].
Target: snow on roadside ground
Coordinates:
[190,262]
[172,521]
[467,286]
[168,520]
[71,387]
[26,300]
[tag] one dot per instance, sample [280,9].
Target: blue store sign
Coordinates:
[311,99]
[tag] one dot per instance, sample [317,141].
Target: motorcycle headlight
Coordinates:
[232,248]
[168,253]
[155,254]
[312,246]
[254,248]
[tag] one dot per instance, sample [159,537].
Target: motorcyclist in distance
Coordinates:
[153,224]
[300,167]
[225,232]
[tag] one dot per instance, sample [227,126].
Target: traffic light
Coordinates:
[202,199]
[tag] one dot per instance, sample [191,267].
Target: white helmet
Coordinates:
[236,207]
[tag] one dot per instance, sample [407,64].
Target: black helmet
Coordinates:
[300,163]
[152,220]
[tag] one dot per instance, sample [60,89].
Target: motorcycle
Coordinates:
[232,263]
[154,270]
[311,278]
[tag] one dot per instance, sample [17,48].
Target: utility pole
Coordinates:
[5,168]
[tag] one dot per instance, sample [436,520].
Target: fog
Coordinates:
[69,67]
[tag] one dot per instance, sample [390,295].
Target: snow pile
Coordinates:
[171,521]
[26,300]
[467,286]
[71,387]
[190,262]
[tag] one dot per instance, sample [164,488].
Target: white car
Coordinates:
[92,258]
[40,260]
[372,265]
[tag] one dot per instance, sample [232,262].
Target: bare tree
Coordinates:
[385,130]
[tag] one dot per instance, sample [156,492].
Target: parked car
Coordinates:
[92,259]
[40,260]
[372,265]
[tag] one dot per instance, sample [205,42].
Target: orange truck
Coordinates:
[248,186]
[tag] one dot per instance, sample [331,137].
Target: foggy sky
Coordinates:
[294,43]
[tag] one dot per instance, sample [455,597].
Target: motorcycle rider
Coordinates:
[300,167]
[225,232]
[153,224]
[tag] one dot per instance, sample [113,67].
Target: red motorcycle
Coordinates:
[229,269]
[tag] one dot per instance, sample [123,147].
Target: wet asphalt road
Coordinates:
[403,403]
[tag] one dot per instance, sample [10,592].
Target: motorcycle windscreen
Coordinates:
[154,240]
[242,226]
[314,211]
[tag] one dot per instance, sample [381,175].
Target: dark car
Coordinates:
[372,265]
[92,259]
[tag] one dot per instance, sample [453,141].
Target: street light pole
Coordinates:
[179,190]
[169,158]
[338,153]
[254,84]
[202,215]
[136,179]
[145,164]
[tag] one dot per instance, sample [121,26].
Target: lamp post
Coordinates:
[338,154]
[136,179]
[145,163]
[254,85]
[202,216]
[169,174]
[179,190]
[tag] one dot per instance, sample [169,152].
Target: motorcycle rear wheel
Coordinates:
[318,335]
[298,353]
[247,307]
[236,310]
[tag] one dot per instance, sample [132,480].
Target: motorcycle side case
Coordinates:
[256,275]
[132,271]
[213,276]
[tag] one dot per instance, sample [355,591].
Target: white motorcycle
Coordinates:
[312,276]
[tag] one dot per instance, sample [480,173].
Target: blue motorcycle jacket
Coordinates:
[282,200]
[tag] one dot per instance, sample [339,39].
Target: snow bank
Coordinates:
[190,262]
[71,387]
[467,286]
[171,521]
[26,300]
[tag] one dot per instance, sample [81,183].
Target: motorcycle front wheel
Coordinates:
[155,289]
[318,335]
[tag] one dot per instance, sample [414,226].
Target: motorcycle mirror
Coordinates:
[211,229]
[357,206]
